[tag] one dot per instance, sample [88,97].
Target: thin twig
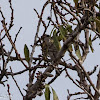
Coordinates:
[16,83]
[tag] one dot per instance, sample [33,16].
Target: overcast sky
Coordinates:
[25,17]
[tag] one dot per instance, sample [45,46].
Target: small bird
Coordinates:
[48,47]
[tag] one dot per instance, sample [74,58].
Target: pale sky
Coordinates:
[24,16]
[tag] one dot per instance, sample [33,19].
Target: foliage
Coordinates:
[76,25]
[26,53]
[47,93]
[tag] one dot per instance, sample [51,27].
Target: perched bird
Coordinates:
[49,48]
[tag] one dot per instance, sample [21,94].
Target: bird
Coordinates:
[49,48]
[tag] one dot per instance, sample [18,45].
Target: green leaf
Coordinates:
[76,2]
[97,20]
[55,97]
[78,53]
[77,50]
[56,41]
[62,32]
[69,28]
[70,48]
[91,19]
[26,53]
[90,44]
[47,92]
[51,32]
